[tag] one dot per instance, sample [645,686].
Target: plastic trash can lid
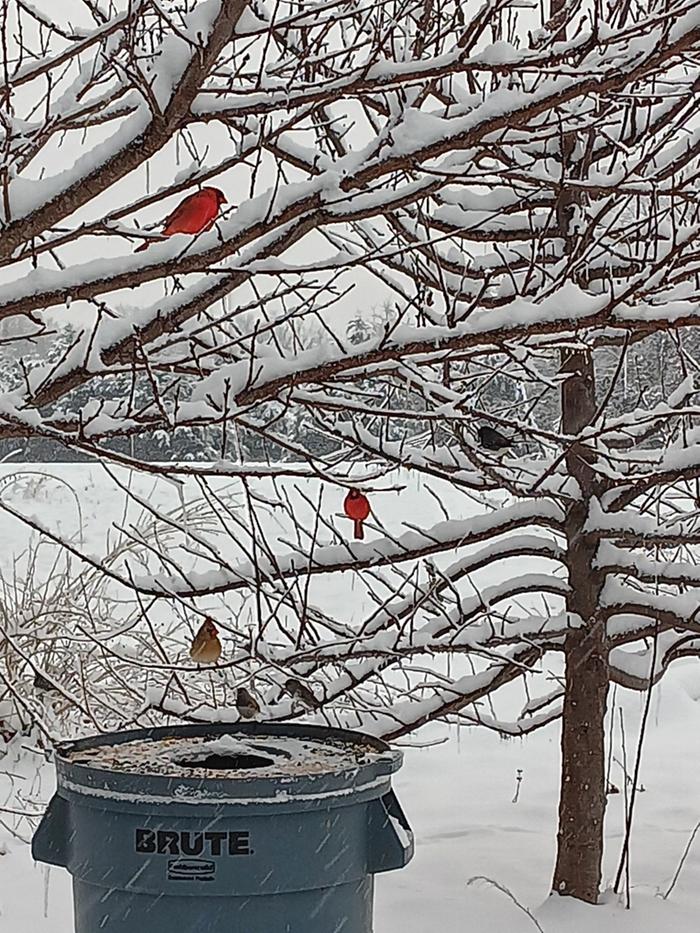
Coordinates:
[261,763]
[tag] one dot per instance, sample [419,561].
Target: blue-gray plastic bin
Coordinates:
[251,828]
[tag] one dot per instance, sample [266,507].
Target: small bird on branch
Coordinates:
[206,647]
[194,215]
[41,683]
[299,691]
[246,704]
[493,440]
[356,507]
[6,734]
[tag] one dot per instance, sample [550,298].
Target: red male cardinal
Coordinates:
[356,507]
[195,214]
[206,647]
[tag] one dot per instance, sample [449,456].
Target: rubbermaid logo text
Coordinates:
[191,869]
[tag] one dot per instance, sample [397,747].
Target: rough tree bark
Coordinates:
[582,792]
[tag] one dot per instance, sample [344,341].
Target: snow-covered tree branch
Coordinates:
[452,262]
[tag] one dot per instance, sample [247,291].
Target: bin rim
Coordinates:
[349,783]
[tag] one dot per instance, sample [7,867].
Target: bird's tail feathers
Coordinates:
[359,529]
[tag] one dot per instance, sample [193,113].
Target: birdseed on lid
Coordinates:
[228,756]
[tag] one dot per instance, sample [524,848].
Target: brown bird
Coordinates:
[246,704]
[295,688]
[206,647]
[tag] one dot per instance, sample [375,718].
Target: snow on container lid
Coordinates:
[254,763]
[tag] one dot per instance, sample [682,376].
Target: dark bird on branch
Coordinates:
[295,688]
[246,704]
[356,507]
[6,734]
[42,683]
[194,215]
[493,440]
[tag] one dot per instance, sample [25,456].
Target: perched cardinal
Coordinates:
[195,214]
[206,647]
[356,507]
[246,704]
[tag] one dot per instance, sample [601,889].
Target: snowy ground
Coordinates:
[459,797]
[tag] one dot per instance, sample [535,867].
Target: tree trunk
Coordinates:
[577,872]
[582,793]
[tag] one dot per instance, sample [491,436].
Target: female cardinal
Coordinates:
[356,506]
[206,647]
[195,214]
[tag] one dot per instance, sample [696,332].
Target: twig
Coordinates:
[504,890]
[624,855]
[682,861]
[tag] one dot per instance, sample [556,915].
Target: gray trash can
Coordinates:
[250,828]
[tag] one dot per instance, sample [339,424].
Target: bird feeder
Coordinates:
[252,828]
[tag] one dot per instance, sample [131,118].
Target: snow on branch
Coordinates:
[442,257]
[168,91]
[445,536]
